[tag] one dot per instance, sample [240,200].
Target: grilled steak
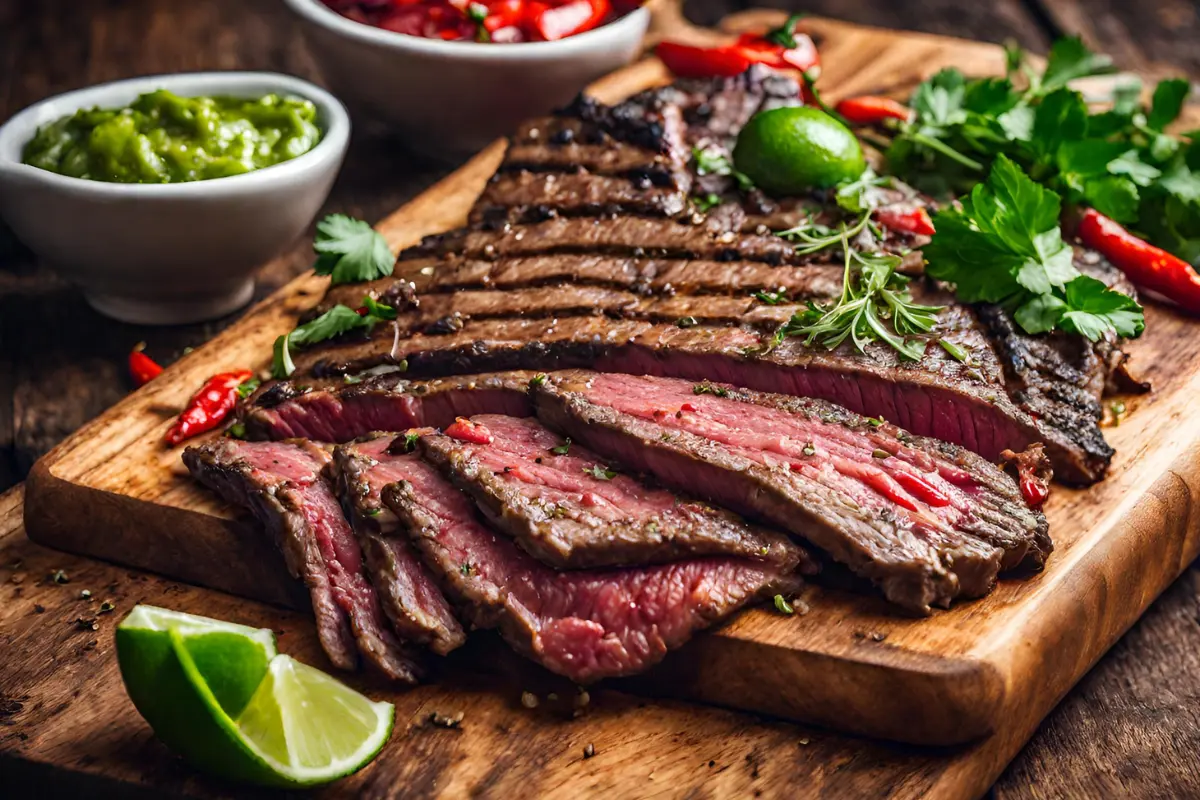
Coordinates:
[924,520]
[585,625]
[563,506]
[412,601]
[536,196]
[339,412]
[281,484]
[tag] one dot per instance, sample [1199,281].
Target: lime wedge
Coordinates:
[219,695]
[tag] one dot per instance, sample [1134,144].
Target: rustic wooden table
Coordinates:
[1131,727]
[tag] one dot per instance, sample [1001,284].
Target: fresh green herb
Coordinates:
[772,298]
[874,306]
[538,380]
[237,430]
[880,454]
[814,237]
[706,203]
[600,473]
[956,352]
[1005,246]
[410,441]
[875,422]
[1118,411]
[351,251]
[351,379]
[334,322]
[712,160]
[687,322]
[477,13]
[562,449]
[708,388]
[466,569]
[374,512]
[783,606]
[247,387]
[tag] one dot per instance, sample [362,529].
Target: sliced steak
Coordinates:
[413,602]
[535,196]
[924,520]
[281,484]
[637,236]
[340,411]
[563,505]
[586,625]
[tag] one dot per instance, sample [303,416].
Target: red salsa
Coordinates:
[500,21]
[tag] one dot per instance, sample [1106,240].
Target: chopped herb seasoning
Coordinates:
[956,352]
[352,379]
[600,473]
[764,550]
[1118,411]
[705,388]
[687,322]
[874,422]
[466,569]
[247,387]
[783,606]
[237,431]
[375,512]
[538,380]
[666,437]
[772,298]
[562,449]
[58,576]
[410,441]
[880,454]
[706,203]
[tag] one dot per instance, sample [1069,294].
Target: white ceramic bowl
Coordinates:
[450,99]
[160,254]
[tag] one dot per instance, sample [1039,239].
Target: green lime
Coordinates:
[791,150]
[218,694]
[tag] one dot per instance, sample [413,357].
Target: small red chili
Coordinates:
[701,62]
[906,220]
[1034,490]
[870,110]
[465,430]
[142,367]
[781,48]
[208,406]
[1147,266]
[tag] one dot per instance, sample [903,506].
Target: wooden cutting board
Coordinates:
[995,666]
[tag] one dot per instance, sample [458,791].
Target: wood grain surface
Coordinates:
[60,364]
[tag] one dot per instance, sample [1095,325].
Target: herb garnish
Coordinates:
[772,298]
[237,430]
[783,606]
[247,387]
[687,322]
[466,569]
[712,160]
[1005,246]
[706,203]
[562,449]
[956,352]
[350,251]
[538,380]
[334,322]
[477,13]
[410,441]
[707,388]
[873,294]
[600,473]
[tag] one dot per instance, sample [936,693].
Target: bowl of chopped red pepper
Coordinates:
[450,76]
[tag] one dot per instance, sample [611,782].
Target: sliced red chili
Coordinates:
[760,50]
[465,430]
[906,220]
[1147,266]
[142,367]
[702,62]
[570,18]
[869,110]
[209,406]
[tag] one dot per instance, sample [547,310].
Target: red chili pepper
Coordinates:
[761,50]
[906,220]
[466,431]
[142,367]
[701,62]
[208,406]
[870,110]
[570,18]
[1033,489]
[1147,266]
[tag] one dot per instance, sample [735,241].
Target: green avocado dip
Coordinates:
[164,138]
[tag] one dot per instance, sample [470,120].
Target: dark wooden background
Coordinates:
[1133,723]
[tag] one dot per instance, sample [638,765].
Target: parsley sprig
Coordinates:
[351,251]
[334,322]
[713,160]
[1004,245]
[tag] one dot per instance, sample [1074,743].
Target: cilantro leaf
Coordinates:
[1113,196]
[600,473]
[1093,309]
[334,322]
[1167,104]
[1062,116]
[1069,59]
[350,251]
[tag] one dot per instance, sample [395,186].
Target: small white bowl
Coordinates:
[450,99]
[171,253]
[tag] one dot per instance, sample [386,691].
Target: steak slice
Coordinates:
[636,236]
[924,520]
[340,412]
[564,507]
[414,604]
[586,625]
[535,196]
[281,484]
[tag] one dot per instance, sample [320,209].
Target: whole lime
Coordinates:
[791,150]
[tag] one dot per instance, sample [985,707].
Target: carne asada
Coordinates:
[565,507]
[416,607]
[585,625]
[924,520]
[281,484]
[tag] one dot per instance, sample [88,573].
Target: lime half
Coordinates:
[219,695]
[788,151]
